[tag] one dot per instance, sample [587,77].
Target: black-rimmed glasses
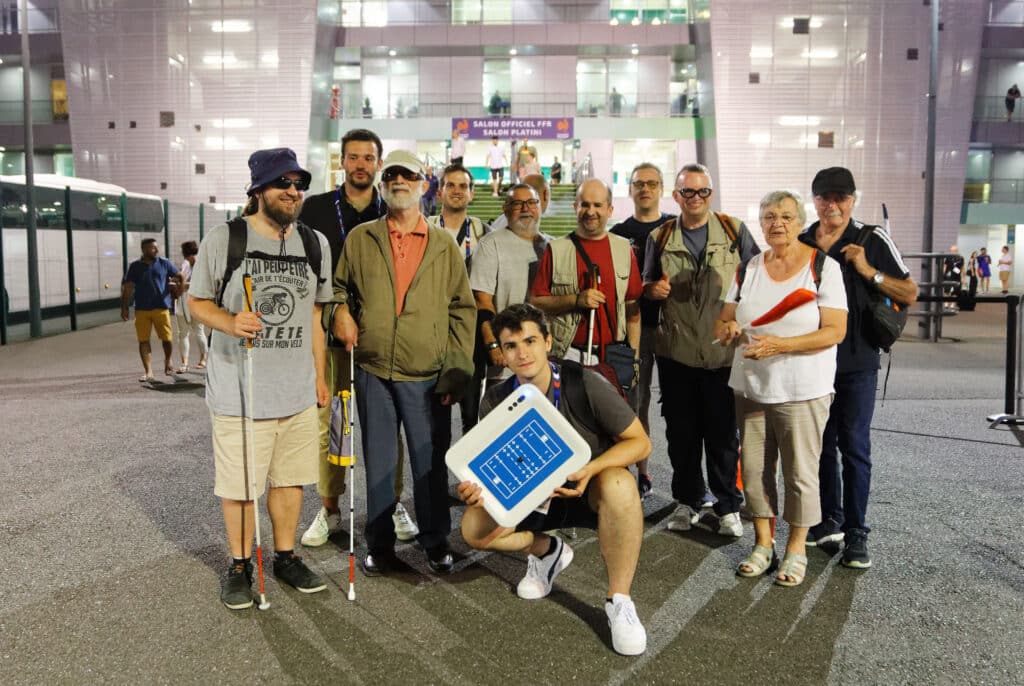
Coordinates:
[518,205]
[690,192]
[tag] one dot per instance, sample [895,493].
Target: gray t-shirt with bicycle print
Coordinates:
[284,292]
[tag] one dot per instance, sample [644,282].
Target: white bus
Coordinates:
[96,231]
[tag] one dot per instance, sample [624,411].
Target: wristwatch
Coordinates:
[878,278]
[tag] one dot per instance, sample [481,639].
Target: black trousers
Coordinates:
[700,417]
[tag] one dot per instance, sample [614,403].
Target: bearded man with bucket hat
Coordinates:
[276,419]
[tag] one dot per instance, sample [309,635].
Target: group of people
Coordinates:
[752,349]
[524,163]
[979,266]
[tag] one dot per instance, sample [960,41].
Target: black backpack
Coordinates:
[574,393]
[238,232]
[884,318]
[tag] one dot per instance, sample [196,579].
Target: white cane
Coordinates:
[595,282]
[351,481]
[250,457]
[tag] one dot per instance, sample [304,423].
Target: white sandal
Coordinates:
[760,560]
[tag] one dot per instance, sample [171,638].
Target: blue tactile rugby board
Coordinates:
[518,454]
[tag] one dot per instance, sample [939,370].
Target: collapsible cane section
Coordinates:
[341,453]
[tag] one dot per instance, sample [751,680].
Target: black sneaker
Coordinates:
[294,572]
[824,532]
[643,484]
[236,586]
[855,554]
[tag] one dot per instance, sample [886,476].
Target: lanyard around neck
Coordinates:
[556,383]
[337,208]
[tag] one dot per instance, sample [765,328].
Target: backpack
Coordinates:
[574,392]
[817,264]
[884,318]
[666,230]
[238,233]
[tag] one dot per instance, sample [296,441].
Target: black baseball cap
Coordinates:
[833,180]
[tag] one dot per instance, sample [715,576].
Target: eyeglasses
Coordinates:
[284,183]
[640,185]
[769,219]
[690,192]
[393,173]
[518,205]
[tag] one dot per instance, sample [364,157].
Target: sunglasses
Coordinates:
[284,183]
[393,173]
[640,185]
[690,192]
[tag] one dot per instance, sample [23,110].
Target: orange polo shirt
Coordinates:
[407,250]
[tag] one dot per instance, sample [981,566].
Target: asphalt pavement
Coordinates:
[112,546]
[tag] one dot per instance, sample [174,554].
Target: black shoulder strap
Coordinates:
[575,394]
[817,265]
[311,246]
[238,230]
[590,270]
[863,234]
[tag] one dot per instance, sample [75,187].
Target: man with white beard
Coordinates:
[402,301]
[504,265]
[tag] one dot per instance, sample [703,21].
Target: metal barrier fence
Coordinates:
[103,257]
[931,292]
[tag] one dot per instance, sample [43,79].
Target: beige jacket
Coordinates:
[564,280]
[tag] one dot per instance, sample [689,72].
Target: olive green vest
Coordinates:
[564,280]
[686,327]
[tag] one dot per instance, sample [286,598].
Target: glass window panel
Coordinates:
[591,81]
[497,81]
[497,12]
[466,11]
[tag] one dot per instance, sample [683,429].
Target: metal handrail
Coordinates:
[993,108]
[930,326]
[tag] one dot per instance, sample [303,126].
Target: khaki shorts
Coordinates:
[285,453]
[147,320]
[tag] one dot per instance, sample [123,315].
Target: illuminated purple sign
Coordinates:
[537,128]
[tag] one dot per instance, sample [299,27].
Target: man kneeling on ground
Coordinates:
[604,496]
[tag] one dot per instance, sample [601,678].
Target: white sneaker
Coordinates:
[628,635]
[541,571]
[730,525]
[726,525]
[405,528]
[683,519]
[317,533]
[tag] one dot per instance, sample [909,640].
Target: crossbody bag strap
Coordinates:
[590,268]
